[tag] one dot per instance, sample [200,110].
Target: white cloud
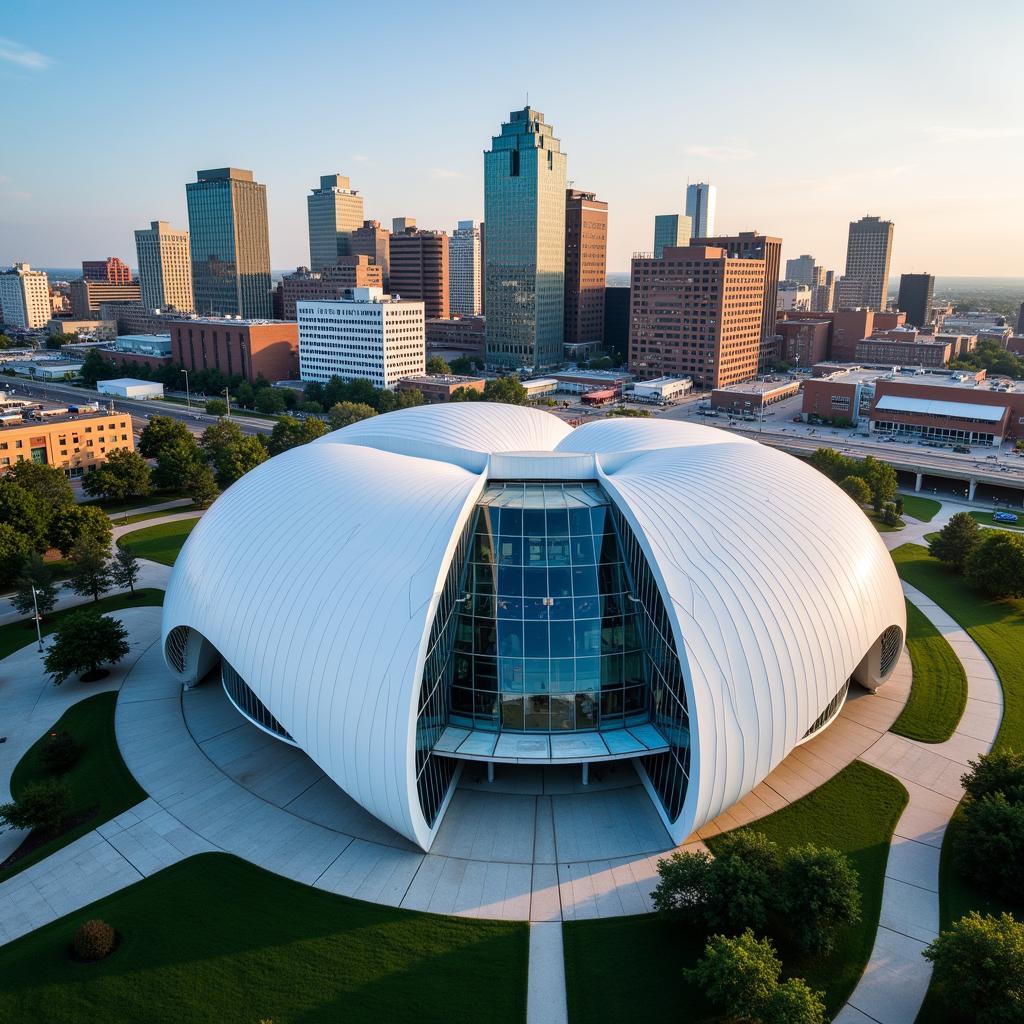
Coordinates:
[951,133]
[720,152]
[360,158]
[445,173]
[15,53]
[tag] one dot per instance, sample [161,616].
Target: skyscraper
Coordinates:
[335,211]
[671,229]
[374,241]
[419,268]
[464,283]
[24,297]
[230,243]
[165,267]
[696,312]
[915,298]
[802,270]
[867,262]
[700,208]
[754,246]
[823,290]
[586,264]
[524,277]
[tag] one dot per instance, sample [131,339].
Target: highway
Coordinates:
[197,420]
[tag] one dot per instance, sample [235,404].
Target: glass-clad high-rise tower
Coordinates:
[524,273]
[230,243]
[700,208]
[335,211]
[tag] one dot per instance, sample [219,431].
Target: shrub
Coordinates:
[684,883]
[743,877]
[94,940]
[818,894]
[979,966]
[59,752]
[83,642]
[956,540]
[216,407]
[988,845]
[42,806]
[857,489]
[996,565]
[998,772]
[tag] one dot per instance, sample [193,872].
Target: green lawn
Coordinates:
[939,693]
[998,629]
[114,505]
[141,516]
[884,527]
[159,543]
[985,518]
[98,779]
[920,508]
[628,968]
[214,939]
[16,635]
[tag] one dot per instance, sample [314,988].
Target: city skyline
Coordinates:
[805,187]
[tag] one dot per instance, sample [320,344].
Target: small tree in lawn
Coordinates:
[35,573]
[819,894]
[996,565]
[124,474]
[956,540]
[979,968]
[200,485]
[84,642]
[857,488]
[125,568]
[41,805]
[90,568]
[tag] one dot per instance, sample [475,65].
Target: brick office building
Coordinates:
[328,282]
[73,443]
[248,347]
[803,342]
[419,269]
[112,270]
[696,312]
[586,263]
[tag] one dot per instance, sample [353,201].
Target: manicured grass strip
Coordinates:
[214,939]
[996,626]
[628,968]
[114,505]
[159,543]
[939,693]
[920,508]
[882,527]
[985,518]
[16,635]
[141,516]
[98,779]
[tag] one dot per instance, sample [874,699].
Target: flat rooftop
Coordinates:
[442,378]
[957,380]
[759,387]
[70,417]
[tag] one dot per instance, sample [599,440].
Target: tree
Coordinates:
[28,514]
[988,845]
[47,483]
[956,540]
[435,364]
[309,407]
[96,368]
[231,453]
[464,394]
[819,893]
[622,411]
[684,883]
[290,432]
[245,394]
[6,341]
[124,474]
[881,478]
[15,548]
[42,805]
[996,565]
[125,569]
[199,484]
[176,462]
[737,974]
[270,401]
[160,431]
[35,573]
[794,1002]
[342,414]
[508,389]
[744,881]
[77,522]
[856,488]
[464,365]
[83,643]
[979,968]
[1001,771]
[90,568]
[217,407]
[833,464]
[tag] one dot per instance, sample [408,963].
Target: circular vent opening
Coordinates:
[891,644]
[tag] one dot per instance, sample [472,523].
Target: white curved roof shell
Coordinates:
[316,576]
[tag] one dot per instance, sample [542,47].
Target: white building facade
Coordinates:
[165,267]
[24,297]
[464,271]
[367,334]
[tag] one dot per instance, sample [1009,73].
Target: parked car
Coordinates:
[961,449]
[1004,517]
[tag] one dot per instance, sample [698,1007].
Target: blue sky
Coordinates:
[805,115]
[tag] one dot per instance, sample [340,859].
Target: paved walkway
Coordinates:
[147,509]
[896,979]
[174,517]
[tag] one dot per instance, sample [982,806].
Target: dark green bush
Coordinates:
[59,752]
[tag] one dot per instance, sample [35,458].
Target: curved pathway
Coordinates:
[896,979]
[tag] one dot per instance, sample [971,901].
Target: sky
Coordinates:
[804,115]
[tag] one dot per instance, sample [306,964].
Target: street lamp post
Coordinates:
[188,400]
[227,400]
[35,608]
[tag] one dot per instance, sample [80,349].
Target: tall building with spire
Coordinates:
[335,211]
[165,267]
[700,208]
[230,243]
[868,252]
[524,276]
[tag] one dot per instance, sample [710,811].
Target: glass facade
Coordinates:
[249,704]
[524,274]
[831,710]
